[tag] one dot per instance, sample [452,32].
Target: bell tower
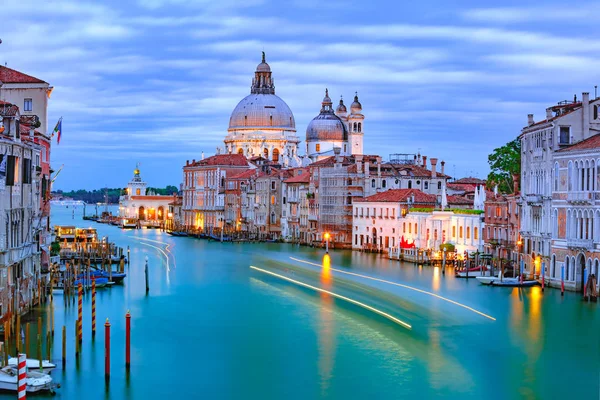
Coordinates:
[136,187]
[355,127]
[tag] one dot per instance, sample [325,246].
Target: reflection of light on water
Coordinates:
[167,245]
[326,271]
[326,342]
[400,285]
[436,278]
[339,296]
[166,258]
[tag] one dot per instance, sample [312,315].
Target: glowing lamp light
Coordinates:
[326,235]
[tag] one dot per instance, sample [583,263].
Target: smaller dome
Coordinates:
[263,66]
[356,107]
[326,99]
[341,108]
[326,127]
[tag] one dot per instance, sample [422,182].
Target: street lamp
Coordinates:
[326,237]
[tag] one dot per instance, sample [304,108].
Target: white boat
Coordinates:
[509,282]
[32,363]
[473,272]
[36,381]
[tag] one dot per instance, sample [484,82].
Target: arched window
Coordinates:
[266,153]
[410,184]
[383,183]
[138,191]
[454,231]
[272,199]
[475,234]
[553,266]
[271,120]
[349,199]
[570,176]
[439,185]
[556,177]
[161,213]
[567,268]
[359,127]
[468,232]
[372,183]
[460,232]
[241,151]
[141,213]
[416,228]
[275,155]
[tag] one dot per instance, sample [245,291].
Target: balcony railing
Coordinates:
[586,244]
[533,198]
[582,197]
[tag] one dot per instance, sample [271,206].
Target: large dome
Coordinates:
[262,111]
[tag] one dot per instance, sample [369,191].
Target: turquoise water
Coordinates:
[213,328]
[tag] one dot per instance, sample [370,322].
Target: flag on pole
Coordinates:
[58,130]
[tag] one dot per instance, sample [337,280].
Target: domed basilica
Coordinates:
[262,124]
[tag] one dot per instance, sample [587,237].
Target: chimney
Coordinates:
[516,183]
[187,162]
[194,161]
[530,119]
[549,113]
[585,104]
[424,158]
[379,166]
[337,151]
[442,169]
[433,167]
[359,163]
[415,159]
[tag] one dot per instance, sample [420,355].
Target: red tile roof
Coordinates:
[163,198]
[470,181]
[304,178]
[417,171]
[249,173]
[9,75]
[589,143]
[401,196]
[237,160]
[459,200]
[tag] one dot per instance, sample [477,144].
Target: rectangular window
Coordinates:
[28,105]
[26,173]
[318,148]
[460,232]
[404,227]
[453,231]
[565,133]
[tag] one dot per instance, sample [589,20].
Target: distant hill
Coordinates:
[97,195]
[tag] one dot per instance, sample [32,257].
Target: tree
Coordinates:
[505,162]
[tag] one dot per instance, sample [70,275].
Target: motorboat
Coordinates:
[32,363]
[472,272]
[101,281]
[36,381]
[508,282]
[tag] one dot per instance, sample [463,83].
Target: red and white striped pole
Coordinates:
[22,377]
[107,351]
[80,312]
[93,307]
[127,339]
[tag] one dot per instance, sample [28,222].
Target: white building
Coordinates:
[149,209]
[330,130]
[566,124]
[262,124]
[385,220]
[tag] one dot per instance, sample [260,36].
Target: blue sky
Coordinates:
[155,81]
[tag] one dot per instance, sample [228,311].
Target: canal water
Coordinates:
[212,327]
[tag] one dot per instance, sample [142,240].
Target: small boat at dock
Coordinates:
[36,381]
[32,363]
[508,282]
[473,272]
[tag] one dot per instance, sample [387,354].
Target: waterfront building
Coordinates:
[566,124]
[269,203]
[294,218]
[406,218]
[203,190]
[139,204]
[175,214]
[262,124]
[236,200]
[330,130]
[24,243]
[576,212]
[501,233]
[28,93]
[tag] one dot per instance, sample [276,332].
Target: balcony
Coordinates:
[580,244]
[533,199]
[312,217]
[584,197]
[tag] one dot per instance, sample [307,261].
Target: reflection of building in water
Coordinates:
[148,208]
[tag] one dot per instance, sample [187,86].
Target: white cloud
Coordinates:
[575,13]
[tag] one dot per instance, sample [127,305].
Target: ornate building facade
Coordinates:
[262,124]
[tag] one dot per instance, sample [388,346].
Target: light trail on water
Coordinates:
[167,245]
[339,296]
[161,250]
[401,285]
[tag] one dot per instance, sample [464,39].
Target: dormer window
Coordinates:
[564,136]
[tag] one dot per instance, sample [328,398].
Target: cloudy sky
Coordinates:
[155,81]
